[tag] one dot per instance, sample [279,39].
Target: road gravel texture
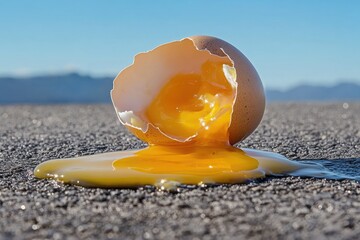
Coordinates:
[272,208]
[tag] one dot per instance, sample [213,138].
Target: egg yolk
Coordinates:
[195,106]
[193,109]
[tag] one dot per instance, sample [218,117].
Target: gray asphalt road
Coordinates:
[276,208]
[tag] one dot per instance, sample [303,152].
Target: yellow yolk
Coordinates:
[194,109]
[195,105]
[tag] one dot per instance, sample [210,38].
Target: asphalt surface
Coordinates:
[273,208]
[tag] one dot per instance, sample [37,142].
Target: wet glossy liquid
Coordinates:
[167,167]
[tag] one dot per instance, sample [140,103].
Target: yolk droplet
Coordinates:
[194,108]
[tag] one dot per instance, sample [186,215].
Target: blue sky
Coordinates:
[289,42]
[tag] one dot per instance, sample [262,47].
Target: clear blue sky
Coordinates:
[289,42]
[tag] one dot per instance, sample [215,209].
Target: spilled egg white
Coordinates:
[137,85]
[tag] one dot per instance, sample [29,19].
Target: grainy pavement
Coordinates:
[274,208]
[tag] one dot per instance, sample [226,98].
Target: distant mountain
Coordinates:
[341,91]
[66,88]
[76,88]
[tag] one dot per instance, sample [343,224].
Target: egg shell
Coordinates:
[138,84]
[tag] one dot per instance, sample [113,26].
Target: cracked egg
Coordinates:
[197,90]
[190,100]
